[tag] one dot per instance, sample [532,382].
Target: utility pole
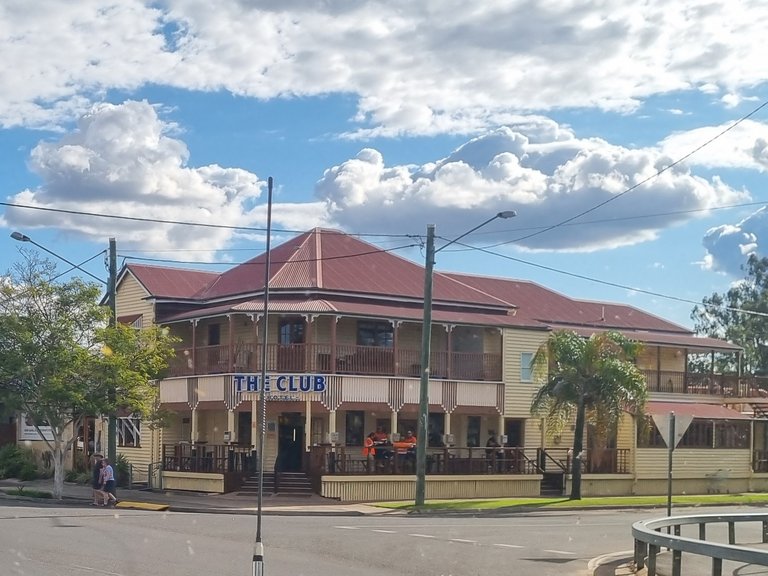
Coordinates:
[426,337]
[112,297]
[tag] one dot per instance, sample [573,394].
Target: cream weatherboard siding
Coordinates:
[130,299]
[693,462]
[518,394]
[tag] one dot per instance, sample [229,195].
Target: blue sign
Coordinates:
[280,383]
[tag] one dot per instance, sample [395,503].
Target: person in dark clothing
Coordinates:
[96,485]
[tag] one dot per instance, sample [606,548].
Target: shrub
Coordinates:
[122,470]
[17,462]
[71,476]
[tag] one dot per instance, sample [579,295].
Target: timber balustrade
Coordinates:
[203,457]
[345,359]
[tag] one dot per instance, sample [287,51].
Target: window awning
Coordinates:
[696,410]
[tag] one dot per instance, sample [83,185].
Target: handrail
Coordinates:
[649,540]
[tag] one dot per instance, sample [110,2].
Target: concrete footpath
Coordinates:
[78,494]
[620,564]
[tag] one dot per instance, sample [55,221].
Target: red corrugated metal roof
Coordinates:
[166,282]
[363,309]
[686,340]
[324,270]
[332,261]
[695,409]
[545,305]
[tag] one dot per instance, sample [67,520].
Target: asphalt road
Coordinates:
[67,541]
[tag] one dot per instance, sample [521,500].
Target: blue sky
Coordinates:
[381,118]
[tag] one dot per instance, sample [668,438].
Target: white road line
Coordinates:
[560,552]
[385,531]
[509,546]
[463,540]
[346,527]
[421,535]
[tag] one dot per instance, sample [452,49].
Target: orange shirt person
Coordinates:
[368,449]
[406,443]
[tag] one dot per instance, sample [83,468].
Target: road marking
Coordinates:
[463,540]
[559,552]
[421,535]
[346,527]
[385,531]
[509,546]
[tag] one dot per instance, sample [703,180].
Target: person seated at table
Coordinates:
[368,446]
[406,446]
[380,437]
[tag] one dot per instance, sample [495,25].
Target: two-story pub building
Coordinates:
[343,357]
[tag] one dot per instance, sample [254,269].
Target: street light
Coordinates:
[426,336]
[19,237]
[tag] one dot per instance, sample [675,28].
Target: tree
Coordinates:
[719,316]
[59,360]
[595,378]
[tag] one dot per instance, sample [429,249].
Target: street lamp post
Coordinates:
[426,337]
[19,237]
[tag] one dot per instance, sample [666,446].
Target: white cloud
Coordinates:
[539,169]
[729,246]
[123,160]
[744,146]
[416,68]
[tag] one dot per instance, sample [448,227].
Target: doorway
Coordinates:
[290,442]
[513,430]
[244,426]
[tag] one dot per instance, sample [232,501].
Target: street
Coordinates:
[69,541]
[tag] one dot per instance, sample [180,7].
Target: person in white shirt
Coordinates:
[108,483]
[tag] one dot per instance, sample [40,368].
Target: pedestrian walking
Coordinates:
[108,481]
[96,485]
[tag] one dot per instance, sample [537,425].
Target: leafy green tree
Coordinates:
[720,316]
[59,359]
[595,378]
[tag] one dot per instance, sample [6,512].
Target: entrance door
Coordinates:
[290,441]
[244,428]
[513,430]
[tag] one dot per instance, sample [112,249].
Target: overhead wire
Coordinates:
[641,182]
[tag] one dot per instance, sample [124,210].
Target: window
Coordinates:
[473,431]
[292,332]
[129,432]
[648,436]
[214,334]
[354,429]
[370,333]
[700,434]
[526,370]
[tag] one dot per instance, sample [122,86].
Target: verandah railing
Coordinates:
[345,359]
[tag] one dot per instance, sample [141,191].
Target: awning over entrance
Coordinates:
[696,410]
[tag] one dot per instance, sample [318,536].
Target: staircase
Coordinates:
[552,483]
[291,484]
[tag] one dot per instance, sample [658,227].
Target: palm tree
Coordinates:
[596,377]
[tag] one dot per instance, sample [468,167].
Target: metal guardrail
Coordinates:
[649,539]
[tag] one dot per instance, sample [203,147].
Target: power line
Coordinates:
[643,181]
[180,222]
[613,284]
[53,278]
[249,263]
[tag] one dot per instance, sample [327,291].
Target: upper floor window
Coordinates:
[526,366]
[372,333]
[214,334]
[292,331]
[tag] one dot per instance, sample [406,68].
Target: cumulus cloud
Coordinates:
[429,67]
[730,245]
[744,146]
[536,167]
[124,160]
